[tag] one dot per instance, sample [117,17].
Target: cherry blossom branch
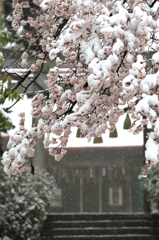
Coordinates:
[153,3]
[103,45]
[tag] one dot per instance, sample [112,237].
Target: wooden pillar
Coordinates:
[100,190]
[81,192]
[130,192]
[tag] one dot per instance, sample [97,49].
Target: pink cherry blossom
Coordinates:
[101,45]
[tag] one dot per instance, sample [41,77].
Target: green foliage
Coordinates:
[5,37]
[5,82]
[6,91]
[151,184]
[23,201]
[5,122]
[1,59]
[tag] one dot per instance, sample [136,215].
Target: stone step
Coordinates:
[91,226]
[98,216]
[103,237]
[104,231]
[99,223]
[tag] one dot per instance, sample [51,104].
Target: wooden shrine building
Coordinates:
[98,180]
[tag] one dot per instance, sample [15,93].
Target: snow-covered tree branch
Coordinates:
[111,50]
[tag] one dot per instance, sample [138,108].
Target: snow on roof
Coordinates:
[19,71]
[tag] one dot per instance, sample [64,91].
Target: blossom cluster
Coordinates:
[111,50]
[20,145]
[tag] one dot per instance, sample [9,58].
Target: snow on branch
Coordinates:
[111,53]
